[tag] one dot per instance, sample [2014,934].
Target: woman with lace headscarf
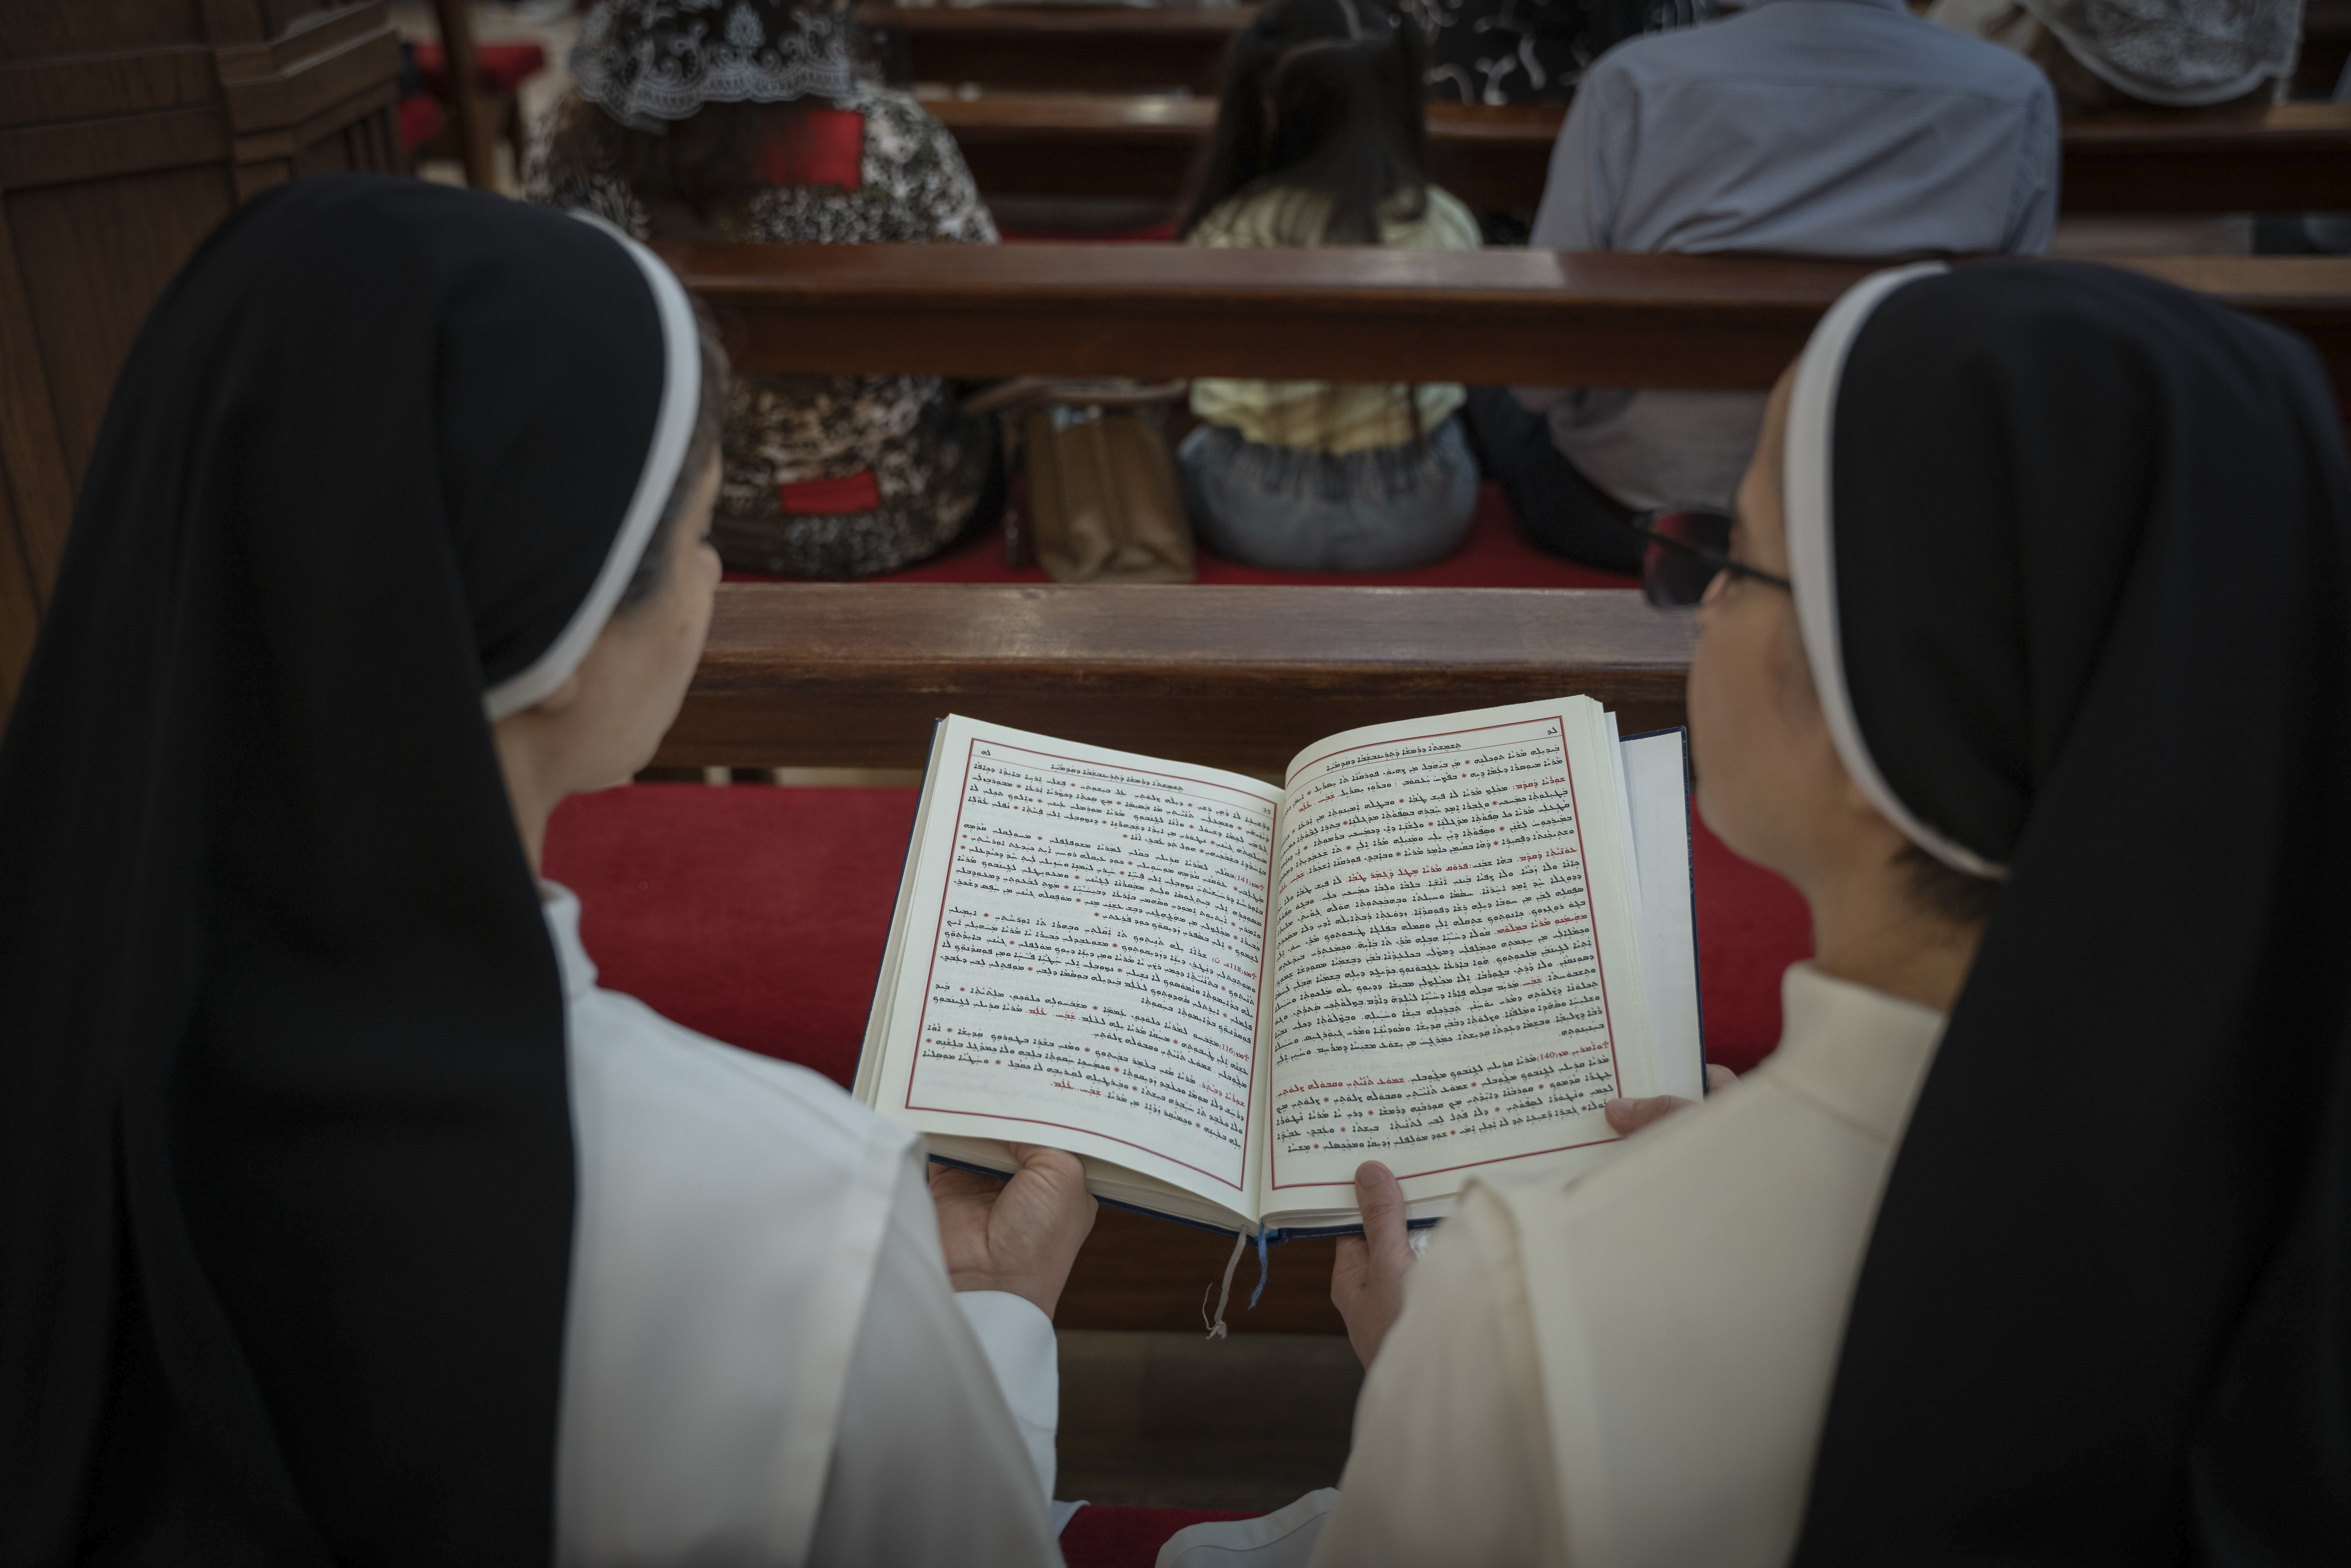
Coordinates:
[761,120]
[2166,54]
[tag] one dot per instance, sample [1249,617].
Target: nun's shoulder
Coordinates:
[625,1053]
[1815,1124]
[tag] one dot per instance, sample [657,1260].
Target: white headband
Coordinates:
[1812,550]
[680,399]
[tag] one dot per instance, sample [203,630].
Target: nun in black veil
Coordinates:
[342,1218]
[2029,662]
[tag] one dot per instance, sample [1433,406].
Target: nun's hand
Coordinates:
[1020,1235]
[1631,1115]
[1367,1274]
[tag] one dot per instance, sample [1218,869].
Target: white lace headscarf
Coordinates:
[649,62]
[2179,52]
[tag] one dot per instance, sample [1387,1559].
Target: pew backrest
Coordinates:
[2285,157]
[1065,48]
[849,676]
[1503,317]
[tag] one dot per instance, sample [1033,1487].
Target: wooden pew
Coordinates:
[2290,157]
[1061,48]
[1507,317]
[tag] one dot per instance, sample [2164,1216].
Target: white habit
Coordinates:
[763,1362]
[1630,1370]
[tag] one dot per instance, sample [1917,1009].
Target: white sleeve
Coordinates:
[1018,1340]
[929,1465]
[1451,1461]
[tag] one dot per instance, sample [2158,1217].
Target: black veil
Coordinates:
[2072,550]
[284,1142]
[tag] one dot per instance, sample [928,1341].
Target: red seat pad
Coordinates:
[505,67]
[757,914]
[420,120]
[1129,1537]
[1494,555]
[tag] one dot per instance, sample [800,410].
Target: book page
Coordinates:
[1656,768]
[1456,976]
[1085,931]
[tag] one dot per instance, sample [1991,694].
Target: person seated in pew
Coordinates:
[2028,1243]
[2154,54]
[347,1220]
[1840,128]
[1320,140]
[763,120]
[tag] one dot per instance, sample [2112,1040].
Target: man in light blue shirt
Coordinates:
[1838,128]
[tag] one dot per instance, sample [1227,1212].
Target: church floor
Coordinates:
[1172,1421]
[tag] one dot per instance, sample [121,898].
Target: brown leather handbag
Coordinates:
[1102,504]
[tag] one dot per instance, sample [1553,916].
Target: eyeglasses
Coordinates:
[1688,551]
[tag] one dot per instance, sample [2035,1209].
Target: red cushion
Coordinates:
[1129,1537]
[420,120]
[756,915]
[505,67]
[1494,555]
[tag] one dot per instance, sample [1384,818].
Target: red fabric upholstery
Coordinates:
[505,67]
[1128,1537]
[420,120]
[757,914]
[1493,556]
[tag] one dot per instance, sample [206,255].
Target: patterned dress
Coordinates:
[928,463]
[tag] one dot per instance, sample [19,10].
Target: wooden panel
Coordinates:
[133,144]
[1063,48]
[20,607]
[107,85]
[1137,1272]
[49,29]
[1049,145]
[93,257]
[1498,316]
[341,55]
[37,480]
[848,675]
[2290,157]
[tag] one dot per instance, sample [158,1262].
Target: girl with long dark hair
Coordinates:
[1321,140]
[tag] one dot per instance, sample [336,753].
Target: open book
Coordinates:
[1446,944]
